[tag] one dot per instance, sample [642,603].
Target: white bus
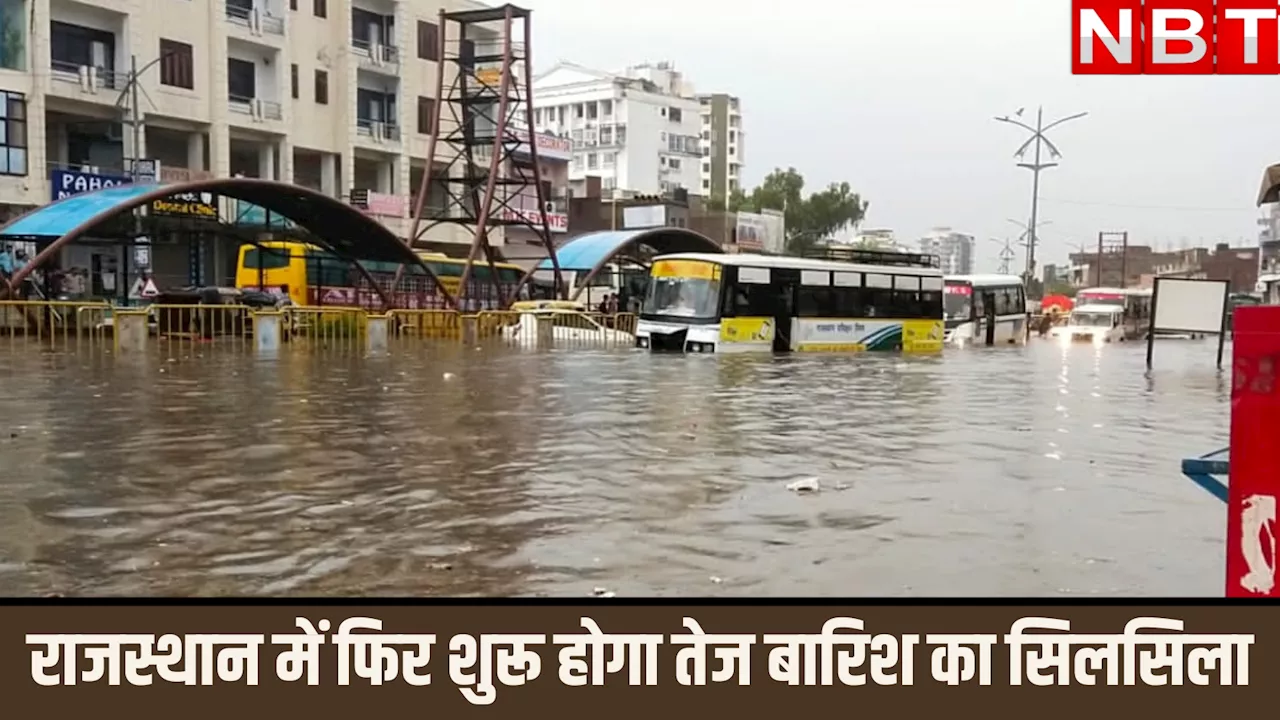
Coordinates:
[699,302]
[985,310]
[1103,315]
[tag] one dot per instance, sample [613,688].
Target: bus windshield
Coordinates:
[682,297]
[957,302]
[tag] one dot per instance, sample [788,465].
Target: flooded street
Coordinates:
[1033,471]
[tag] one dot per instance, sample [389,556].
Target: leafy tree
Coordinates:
[810,220]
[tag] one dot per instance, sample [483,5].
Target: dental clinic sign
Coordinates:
[66,183]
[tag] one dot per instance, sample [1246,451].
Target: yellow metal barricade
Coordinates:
[326,328]
[499,324]
[197,328]
[426,324]
[57,324]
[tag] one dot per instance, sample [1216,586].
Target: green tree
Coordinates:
[810,220]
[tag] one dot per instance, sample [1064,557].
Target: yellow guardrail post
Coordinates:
[131,330]
[267,329]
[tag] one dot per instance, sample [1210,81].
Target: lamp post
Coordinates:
[1038,139]
[129,94]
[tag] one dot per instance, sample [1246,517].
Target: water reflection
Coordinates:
[1015,471]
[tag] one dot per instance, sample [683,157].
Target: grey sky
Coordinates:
[898,96]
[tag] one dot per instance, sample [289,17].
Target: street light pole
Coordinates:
[1038,139]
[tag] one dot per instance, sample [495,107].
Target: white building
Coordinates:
[954,249]
[638,131]
[723,145]
[336,95]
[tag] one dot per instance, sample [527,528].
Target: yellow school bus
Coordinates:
[316,277]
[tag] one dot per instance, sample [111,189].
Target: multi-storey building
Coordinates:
[335,95]
[637,131]
[954,250]
[723,145]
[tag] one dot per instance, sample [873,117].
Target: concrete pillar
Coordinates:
[329,174]
[546,330]
[385,177]
[266,330]
[195,151]
[267,161]
[376,332]
[131,330]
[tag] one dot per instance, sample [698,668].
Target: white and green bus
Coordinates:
[709,302]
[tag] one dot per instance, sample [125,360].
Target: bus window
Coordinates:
[849,301]
[327,270]
[815,302]
[266,258]
[446,269]
[509,276]
[750,300]
[906,296]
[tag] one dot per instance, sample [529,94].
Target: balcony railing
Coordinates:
[378,130]
[255,107]
[255,20]
[377,54]
[88,77]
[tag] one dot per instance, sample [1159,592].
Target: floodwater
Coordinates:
[1035,471]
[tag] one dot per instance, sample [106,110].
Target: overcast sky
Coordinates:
[897,97]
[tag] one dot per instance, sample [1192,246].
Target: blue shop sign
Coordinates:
[69,182]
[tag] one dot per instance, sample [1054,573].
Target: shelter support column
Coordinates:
[1254,484]
[470,329]
[546,330]
[267,161]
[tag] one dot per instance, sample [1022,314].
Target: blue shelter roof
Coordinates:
[334,224]
[59,218]
[587,252]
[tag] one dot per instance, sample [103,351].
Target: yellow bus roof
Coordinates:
[432,256]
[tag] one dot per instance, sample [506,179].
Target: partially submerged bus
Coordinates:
[985,310]
[316,277]
[1103,315]
[698,302]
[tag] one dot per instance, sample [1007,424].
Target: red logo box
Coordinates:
[1175,37]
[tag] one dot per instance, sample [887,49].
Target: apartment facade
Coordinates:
[637,131]
[954,250]
[335,95]
[723,145]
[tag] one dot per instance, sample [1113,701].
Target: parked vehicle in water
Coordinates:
[570,325]
[985,310]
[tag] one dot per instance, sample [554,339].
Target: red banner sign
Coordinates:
[1255,483]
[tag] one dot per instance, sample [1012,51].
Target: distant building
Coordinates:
[954,249]
[722,145]
[639,130]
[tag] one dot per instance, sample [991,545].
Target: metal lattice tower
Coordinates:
[481,127]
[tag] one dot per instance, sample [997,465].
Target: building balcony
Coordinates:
[378,135]
[255,24]
[376,57]
[86,82]
[250,112]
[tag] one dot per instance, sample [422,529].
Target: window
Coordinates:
[815,302]
[322,87]
[293,5]
[706,184]
[293,81]
[177,68]
[578,111]
[674,115]
[591,161]
[428,41]
[750,300]
[609,159]
[13,133]
[320,8]
[241,79]
[266,258]
[674,163]
[426,114]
